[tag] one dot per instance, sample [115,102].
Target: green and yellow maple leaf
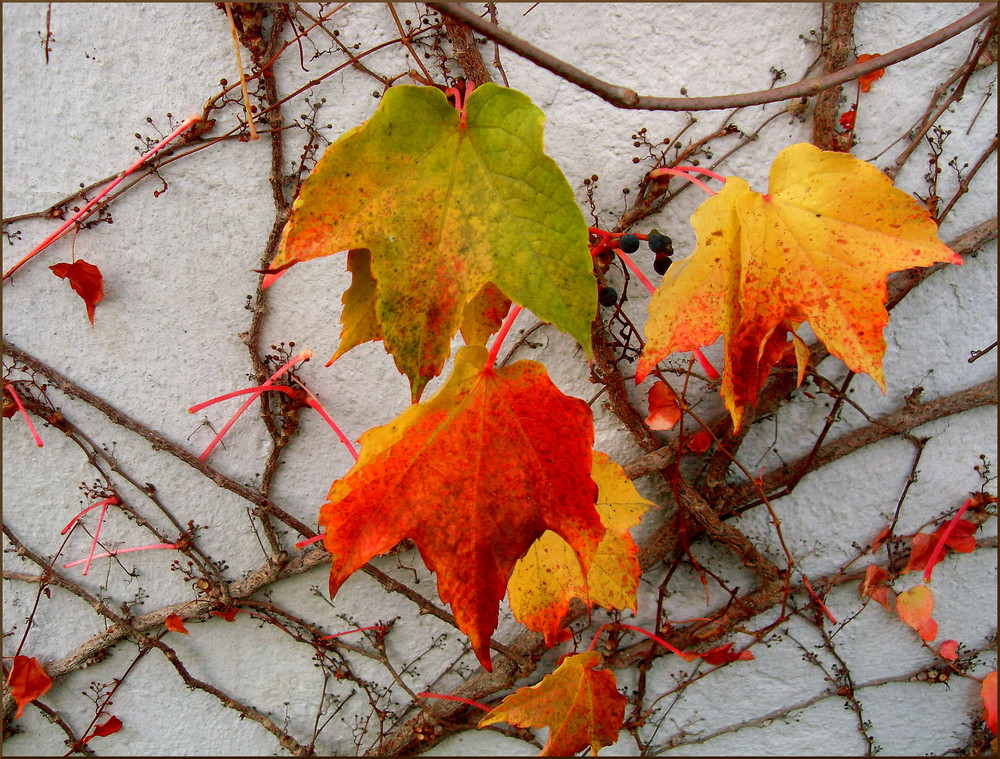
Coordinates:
[579,704]
[445,205]
[548,577]
[473,476]
[817,247]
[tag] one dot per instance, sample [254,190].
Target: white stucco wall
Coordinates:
[178,272]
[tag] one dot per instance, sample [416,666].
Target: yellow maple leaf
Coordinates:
[549,577]
[817,247]
[580,705]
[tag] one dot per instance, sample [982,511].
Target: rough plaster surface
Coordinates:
[178,272]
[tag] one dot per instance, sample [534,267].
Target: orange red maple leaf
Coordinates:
[473,476]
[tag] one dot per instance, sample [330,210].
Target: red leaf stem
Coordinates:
[183,127]
[256,394]
[818,600]
[459,699]
[502,334]
[120,550]
[939,548]
[17,399]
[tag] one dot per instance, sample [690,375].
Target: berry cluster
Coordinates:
[661,245]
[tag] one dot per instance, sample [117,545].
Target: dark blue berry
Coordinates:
[659,243]
[628,243]
[660,265]
[608,297]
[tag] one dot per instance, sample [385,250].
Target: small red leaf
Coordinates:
[176,624]
[949,649]
[920,552]
[847,119]
[881,538]
[28,680]
[725,654]
[664,407]
[110,727]
[962,538]
[227,614]
[86,279]
[989,696]
[873,586]
[700,442]
[869,79]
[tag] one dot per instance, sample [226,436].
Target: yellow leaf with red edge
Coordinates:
[473,476]
[28,680]
[446,202]
[548,577]
[579,704]
[989,695]
[816,247]
[916,607]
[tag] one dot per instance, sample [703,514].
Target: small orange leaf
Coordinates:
[176,624]
[881,538]
[86,279]
[580,705]
[847,119]
[110,727]
[989,696]
[873,585]
[664,407]
[915,607]
[28,680]
[949,649]
[866,81]
[227,614]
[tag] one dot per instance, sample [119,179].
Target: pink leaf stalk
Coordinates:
[76,519]
[254,396]
[355,630]
[183,127]
[308,541]
[313,401]
[97,535]
[198,407]
[684,172]
[27,419]
[120,550]
[939,548]
[819,601]
[502,335]
[459,699]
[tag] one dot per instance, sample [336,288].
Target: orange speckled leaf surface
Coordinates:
[817,247]
[445,208]
[473,476]
[580,705]
[548,578]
